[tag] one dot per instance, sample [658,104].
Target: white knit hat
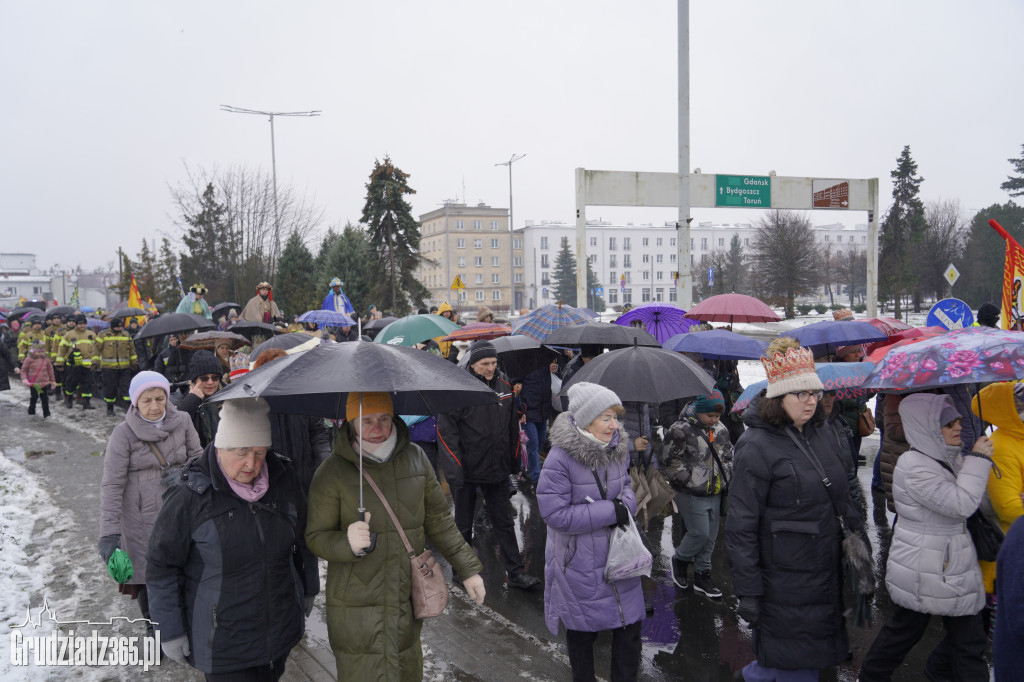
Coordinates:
[587,401]
[791,372]
[243,424]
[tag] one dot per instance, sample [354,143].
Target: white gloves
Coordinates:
[359,536]
[475,588]
[176,649]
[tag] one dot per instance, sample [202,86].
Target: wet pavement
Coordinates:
[687,637]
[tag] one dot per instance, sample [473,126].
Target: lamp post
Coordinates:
[511,234]
[273,163]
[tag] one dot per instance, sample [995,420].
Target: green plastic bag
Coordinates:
[120,566]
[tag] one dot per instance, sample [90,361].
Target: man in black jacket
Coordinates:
[477,446]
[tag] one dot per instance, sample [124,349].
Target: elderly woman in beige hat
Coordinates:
[230,578]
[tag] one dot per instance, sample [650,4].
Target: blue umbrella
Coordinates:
[328,318]
[717,344]
[95,324]
[845,378]
[825,336]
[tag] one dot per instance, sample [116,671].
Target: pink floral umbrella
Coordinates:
[962,356]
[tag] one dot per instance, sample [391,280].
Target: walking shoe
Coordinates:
[110,408]
[87,404]
[680,573]
[523,581]
[702,583]
[69,401]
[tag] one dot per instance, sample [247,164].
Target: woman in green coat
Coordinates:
[370,622]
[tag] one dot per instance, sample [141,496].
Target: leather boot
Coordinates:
[110,408]
[87,404]
[69,401]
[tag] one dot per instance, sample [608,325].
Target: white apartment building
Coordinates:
[637,263]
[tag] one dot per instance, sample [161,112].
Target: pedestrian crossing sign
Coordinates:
[457,283]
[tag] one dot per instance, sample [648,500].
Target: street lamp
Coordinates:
[273,162]
[511,233]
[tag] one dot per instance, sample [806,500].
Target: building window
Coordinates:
[496,294]
[839,239]
[625,243]
[645,274]
[519,278]
[462,261]
[703,243]
[645,258]
[458,225]
[611,243]
[517,244]
[627,296]
[544,279]
[660,276]
[517,262]
[613,297]
[494,226]
[691,243]
[657,258]
[863,240]
[479,294]
[659,295]
[672,295]
[629,276]
[544,260]
[460,243]
[593,241]
[592,259]
[494,243]
[672,258]
[495,278]
[826,238]
[721,241]
[478,279]
[746,241]
[476,225]
[478,261]
[494,261]
[657,242]
[543,243]
[613,278]
[462,295]
[645,295]
[626,263]
[645,242]
[613,261]
[478,243]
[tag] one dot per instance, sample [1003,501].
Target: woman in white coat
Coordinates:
[933,567]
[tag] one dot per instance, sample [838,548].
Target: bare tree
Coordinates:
[945,239]
[786,258]
[852,272]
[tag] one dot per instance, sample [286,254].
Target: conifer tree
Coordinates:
[167,291]
[902,232]
[1014,184]
[295,289]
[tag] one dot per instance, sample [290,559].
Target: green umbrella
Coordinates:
[120,566]
[414,329]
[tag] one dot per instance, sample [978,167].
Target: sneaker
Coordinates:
[680,573]
[523,581]
[702,583]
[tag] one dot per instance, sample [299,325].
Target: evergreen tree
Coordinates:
[210,247]
[901,235]
[349,257]
[564,275]
[785,256]
[981,268]
[167,291]
[734,279]
[594,302]
[395,236]
[124,283]
[295,288]
[145,272]
[1014,184]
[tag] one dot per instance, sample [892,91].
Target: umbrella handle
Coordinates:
[373,536]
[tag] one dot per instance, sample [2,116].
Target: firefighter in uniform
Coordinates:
[67,324]
[77,355]
[54,324]
[118,363]
[28,336]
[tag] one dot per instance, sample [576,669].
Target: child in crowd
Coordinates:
[37,374]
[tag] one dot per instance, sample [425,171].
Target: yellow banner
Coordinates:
[1013,279]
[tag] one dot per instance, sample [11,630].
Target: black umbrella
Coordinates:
[601,334]
[255,330]
[224,307]
[37,316]
[174,323]
[379,324]
[318,381]
[130,311]
[645,375]
[60,310]
[519,355]
[18,312]
[283,341]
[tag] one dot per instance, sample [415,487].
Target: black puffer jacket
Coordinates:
[784,542]
[306,441]
[478,444]
[536,395]
[230,573]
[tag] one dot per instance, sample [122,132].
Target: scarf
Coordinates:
[250,493]
[156,422]
[610,445]
[379,452]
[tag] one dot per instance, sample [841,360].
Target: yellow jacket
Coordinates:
[25,339]
[998,408]
[53,334]
[446,346]
[116,349]
[84,342]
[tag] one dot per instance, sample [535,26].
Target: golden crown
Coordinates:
[789,364]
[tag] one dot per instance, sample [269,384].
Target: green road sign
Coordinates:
[747,191]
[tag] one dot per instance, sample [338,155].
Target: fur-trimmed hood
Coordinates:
[585,451]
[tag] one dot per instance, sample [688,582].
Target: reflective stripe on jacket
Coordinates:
[116,349]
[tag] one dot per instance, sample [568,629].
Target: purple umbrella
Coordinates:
[662,321]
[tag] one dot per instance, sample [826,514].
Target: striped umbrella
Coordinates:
[537,324]
[479,330]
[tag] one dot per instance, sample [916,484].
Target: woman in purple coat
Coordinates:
[583,493]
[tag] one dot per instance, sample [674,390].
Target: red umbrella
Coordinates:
[887,325]
[479,330]
[877,351]
[732,308]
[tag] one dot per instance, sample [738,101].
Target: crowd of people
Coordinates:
[225,508]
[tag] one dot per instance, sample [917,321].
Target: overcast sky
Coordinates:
[106,103]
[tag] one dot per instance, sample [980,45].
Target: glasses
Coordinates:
[954,423]
[206,378]
[805,396]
